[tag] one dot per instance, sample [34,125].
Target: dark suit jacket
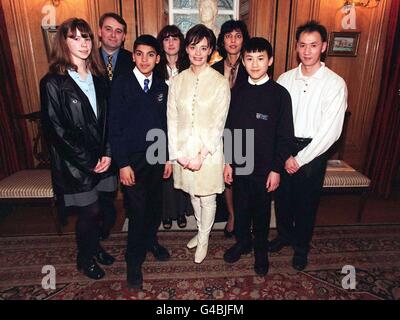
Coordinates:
[124,63]
[133,113]
[242,73]
[76,137]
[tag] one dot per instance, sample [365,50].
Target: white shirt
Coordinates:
[140,78]
[319,103]
[259,82]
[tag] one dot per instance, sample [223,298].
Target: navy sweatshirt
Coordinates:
[133,113]
[267,109]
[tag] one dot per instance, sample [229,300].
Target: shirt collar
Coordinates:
[317,75]
[140,77]
[260,82]
[75,75]
[105,54]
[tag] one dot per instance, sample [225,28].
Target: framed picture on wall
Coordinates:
[343,44]
[48,37]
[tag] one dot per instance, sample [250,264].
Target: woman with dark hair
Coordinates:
[73,107]
[198,102]
[173,60]
[230,44]
[173,57]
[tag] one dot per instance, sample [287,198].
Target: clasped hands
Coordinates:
[193,164]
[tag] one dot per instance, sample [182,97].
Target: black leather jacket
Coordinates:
[76,138]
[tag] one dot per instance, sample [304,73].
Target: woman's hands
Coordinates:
[102,165]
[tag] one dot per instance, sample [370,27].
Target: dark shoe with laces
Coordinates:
[134,277]
[181,221]
[277,245]
[90,269]
[104,258]
[159,252]
[234,253]
[167,224]
[299,261]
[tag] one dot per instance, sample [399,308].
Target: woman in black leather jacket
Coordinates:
[73,106]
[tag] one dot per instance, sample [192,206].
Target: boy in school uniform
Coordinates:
[263,106]
[138,104]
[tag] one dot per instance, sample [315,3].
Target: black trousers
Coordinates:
[108,211]
[143,208]
[296,203]
[252,209]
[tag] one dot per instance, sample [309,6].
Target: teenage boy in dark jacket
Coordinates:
[138,104]
[263,106]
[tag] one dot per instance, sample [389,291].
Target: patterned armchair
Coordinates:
[32,185]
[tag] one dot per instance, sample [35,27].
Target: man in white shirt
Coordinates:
[319,99]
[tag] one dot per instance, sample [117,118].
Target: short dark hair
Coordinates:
[147,40]
[258,44]
[229,26]
[114,16]
[197,33]
[312,26]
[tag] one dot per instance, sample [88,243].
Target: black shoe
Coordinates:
[299,261]
[134,277]
[181,221]
[228,234]
[104,235]
[277,245]
[104,258]
[234,253]
[261,263]
[167,224]
[159,252]
[91,269]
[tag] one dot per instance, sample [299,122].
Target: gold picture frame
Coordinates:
[48,37]
[343,44]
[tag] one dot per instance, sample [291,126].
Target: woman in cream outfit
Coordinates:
[198,102]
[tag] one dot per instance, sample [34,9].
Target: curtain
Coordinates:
[15,145]
[384,153]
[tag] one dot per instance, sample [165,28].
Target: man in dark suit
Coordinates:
[117,61]
[112,33]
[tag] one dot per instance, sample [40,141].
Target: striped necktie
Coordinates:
[146,85]
[110,68]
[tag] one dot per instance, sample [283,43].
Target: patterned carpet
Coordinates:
[373,250]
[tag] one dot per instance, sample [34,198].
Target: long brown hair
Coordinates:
[61,60]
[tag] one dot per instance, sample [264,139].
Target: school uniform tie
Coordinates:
[110,68]
[146,85]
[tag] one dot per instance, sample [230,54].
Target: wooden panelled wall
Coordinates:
[274,19]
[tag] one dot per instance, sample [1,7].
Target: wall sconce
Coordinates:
[361,3]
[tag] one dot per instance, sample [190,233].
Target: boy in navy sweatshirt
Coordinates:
[263,106]
[138,104]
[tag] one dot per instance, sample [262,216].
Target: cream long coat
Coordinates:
[197,110]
